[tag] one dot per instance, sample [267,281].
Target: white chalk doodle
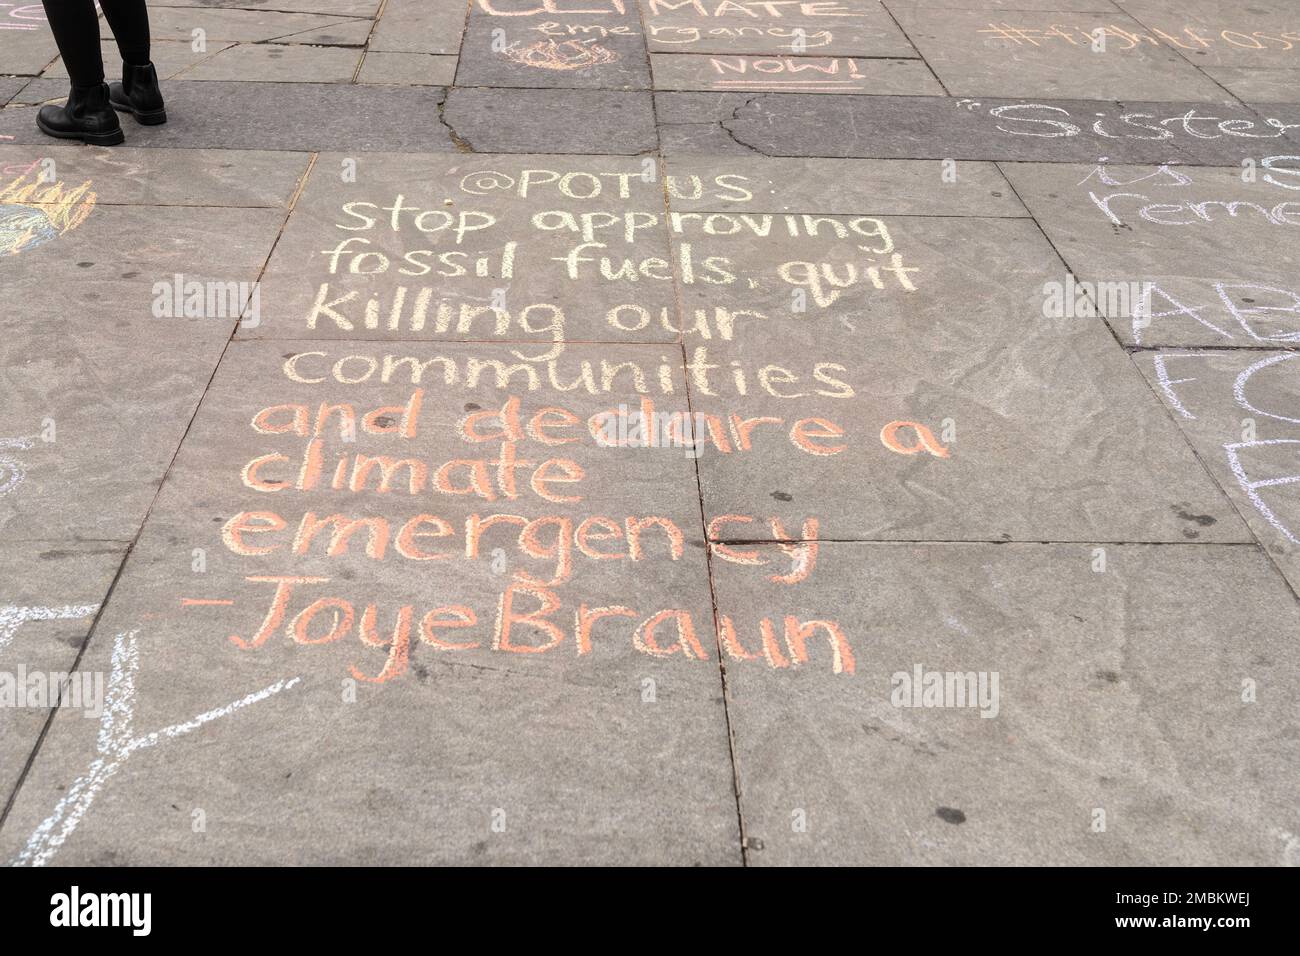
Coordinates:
[1239,387]
[14,615]
[1167,384]
[12,472]
[115,745]
[1249,487]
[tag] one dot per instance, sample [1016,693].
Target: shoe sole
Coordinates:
[146,118]
[112,138]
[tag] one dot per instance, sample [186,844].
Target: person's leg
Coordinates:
[87,114]
[75,26]
[129,20]
[138,93]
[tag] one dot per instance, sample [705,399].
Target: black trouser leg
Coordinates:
[129,20]
[76,31]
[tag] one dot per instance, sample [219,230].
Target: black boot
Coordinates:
[138,94]
[86,116]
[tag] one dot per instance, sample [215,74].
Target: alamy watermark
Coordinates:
[82,691]
[181,298]
[952,689]
[1075,299]
[635,429]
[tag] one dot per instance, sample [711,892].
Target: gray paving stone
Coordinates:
[416,26]
[126,175]
[552,121]
[407,69]
[788,74]
[49,593]
[39,90]
[911,127]
[892,187]
[308,116]
[510,50]
[114,385]
[975,53]
[843,28]
[1210,33]
[1119,691]
[346,33]
[10,86]
[1240,408]
[170,57]
[26,46]
[279,63]
[1216,271]
[499,243]
[1051,408]
[1258,85]
[239,25]
[640,770]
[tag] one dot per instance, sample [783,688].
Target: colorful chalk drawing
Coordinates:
[33,212]
[116,744]
[565,55]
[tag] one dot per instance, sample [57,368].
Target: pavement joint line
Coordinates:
[912,43]
[370,36]
[727,697]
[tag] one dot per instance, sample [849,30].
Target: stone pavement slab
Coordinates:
[239,25]
[9,87]
[279,63]
[309,116]
[1006,54]
[552,121]
[345,33]
[1120,704]
[788,74]
[491,734]
[1206,246]
[110,375]
[823,356]
[50,592]
[407,69]
[1240,408]
[1258,85]
[417,26]
[25,43]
